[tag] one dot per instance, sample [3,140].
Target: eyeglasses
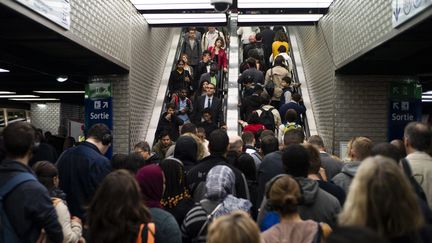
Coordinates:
[210,87]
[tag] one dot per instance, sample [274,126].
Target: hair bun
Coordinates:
[290,200]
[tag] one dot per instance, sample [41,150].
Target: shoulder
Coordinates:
[161,216]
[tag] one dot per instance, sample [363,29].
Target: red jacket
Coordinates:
[254,128]
[222,58]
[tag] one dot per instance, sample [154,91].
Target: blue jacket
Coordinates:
[81,170]
[28,206]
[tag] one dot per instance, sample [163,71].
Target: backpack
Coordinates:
[415,185]
[267,119]
[7,233]
[290,126]
[210,210]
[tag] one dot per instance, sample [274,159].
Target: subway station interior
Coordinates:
[349,56]
[216,121]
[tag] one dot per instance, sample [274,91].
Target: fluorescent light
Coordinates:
[172,4]
[62,78]
[185,18]
[19,96]
[428,92]
[35,99]
[275,18]
[426,100]
[4,70]
[59,92]
[280,4]
[427,96]
[41,105]
[7,92]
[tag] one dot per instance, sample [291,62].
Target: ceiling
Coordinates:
[36,56]
[164,13]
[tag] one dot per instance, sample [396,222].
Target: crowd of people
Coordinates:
[197,184]
[220,189]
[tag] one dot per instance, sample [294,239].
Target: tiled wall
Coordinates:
[346,105]
[46,117]
[116,30]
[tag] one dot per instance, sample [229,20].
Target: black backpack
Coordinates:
[267,119]
[414,184]
[7,233]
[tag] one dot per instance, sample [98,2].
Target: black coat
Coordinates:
[177,81]
[172,126]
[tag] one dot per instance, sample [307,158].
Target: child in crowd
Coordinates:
[47,175]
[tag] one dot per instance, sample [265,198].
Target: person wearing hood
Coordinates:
[361,149]
[176,198]
[218,201]
[151,181]
[316,204]
[186,150]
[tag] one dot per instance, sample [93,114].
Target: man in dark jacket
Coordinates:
[143,149]
[192,47]
[82,168]
[332,166]
[317,204]
[218,146]
[28,206]
[169,122]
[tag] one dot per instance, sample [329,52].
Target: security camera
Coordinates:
[221,5]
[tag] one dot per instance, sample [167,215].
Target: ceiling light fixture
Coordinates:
[35,99]
[7,92]
[4,70]
[161,19]
[41,105]
[278,18]
[171,4]
[62,78]
[19,96]
[59,91]
[280,4]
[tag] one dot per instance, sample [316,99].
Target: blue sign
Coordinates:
[404,107]
[98,107]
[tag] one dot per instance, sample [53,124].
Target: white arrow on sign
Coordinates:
[396,105]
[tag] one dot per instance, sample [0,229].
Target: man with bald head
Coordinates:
[417,140]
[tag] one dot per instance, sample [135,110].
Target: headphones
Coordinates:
[269,205]
[107,139]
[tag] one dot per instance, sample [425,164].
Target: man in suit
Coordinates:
[211,102]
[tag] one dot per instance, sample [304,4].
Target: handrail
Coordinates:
[163,88]
[299,77]
[232,85]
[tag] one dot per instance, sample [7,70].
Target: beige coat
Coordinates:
[278,73]
[421,166]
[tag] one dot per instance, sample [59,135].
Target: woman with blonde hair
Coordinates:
[284,195]
[237,227]
[380,198]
